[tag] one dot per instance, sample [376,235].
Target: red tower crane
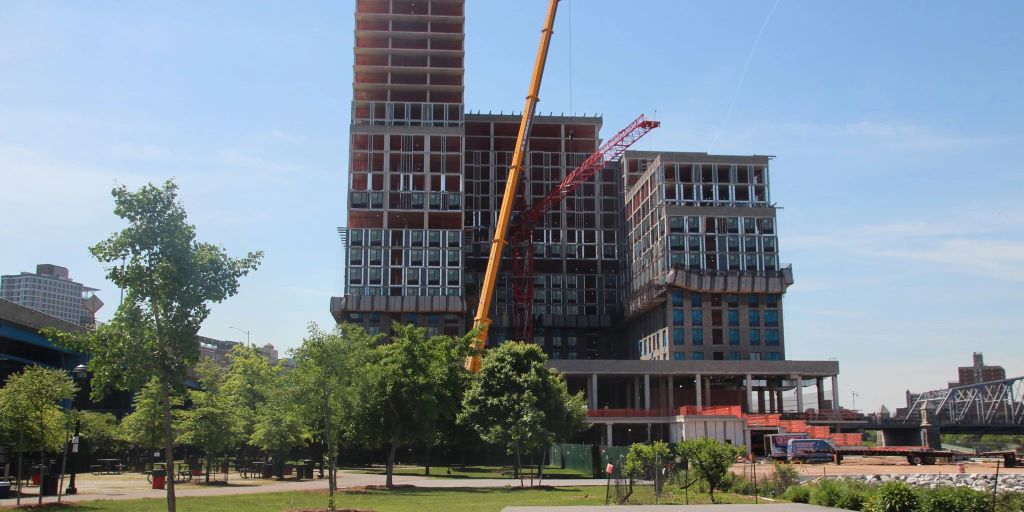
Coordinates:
[521,238]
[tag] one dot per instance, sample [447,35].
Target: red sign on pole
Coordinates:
[608,469]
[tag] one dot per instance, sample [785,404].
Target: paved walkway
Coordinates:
[133,486]
[776,507]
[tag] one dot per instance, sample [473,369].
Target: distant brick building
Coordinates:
[978,373]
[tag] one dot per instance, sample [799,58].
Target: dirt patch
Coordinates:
[361,489]
[36,506]
[533,488]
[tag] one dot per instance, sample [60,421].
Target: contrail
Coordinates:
[743,76]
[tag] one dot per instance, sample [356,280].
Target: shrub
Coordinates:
[797,494]
[894,497]
[825,493]
[852,495]
[1010,502]
[954,499]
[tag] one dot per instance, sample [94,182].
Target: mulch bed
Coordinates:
[360,489]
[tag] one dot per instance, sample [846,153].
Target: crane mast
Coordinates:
[522,235]
[482,319]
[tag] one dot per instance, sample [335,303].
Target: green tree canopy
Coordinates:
[710,459]
[30,414]
[247,384]
[328,367]
[212,423]
[169,280]
[408,387]
[517,402]
[101,432]
[279,423]
[144,425]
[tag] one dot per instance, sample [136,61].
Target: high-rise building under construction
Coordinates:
[662,258]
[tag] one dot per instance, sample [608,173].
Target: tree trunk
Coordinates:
[165,396]
[540,467]
[21,438]
[42,471]
[515,469]
[390,470]
[426,459]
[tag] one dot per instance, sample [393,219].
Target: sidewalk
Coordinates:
[134,486]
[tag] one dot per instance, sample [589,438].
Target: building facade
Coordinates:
[978,372]
[704,277]
[50,290]
[405,211]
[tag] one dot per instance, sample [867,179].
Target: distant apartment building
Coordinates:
[50,290]
[978,372]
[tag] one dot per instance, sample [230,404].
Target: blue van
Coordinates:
[810,450]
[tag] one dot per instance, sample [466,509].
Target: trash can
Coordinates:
[49,485]
[159,478]
[5,490]
[307,465]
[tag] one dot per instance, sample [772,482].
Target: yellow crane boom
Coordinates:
[482,319]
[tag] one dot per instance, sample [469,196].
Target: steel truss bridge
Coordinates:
[996,406]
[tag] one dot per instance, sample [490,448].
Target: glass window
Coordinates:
[678,318]
[556,340]
[355,256]
[412,276]
[755,356]
[695,300]
[453,277]
[679,356]
[677,298]
[434,238]
[571,340]
[698,356]
[696,317]
[433,277]
[771,336]
[698,336]
[771,317]
[753,300]
[538,340]
[753,317]
[434,258]
[734,336]
[355,237]
[678,336]
[734,356]
[416,237]
[734,317]
[755,336]
[772,356]
[416,257]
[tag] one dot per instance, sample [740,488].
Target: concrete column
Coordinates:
[750,394]
[707,391]
[800,393]
[593,391]
[636,392]
[647,394]
[760,401]
[698,385]
[671,392]
[819,384]
[835,391]
[779,401]
[608,431]
[772,406]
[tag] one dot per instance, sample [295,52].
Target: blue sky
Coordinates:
[894,127]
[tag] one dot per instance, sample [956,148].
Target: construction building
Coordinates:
[50,290]
[656,286]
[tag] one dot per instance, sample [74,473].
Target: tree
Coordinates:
[407,388]
[101,433]
[279,423]
[327,363]
[710,459]
[169,281]
[643,462]
[247,384]
[29,412]
[144,425]
[517,402]
[212,423]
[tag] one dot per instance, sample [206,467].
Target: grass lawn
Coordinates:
[399,500]
[470,471]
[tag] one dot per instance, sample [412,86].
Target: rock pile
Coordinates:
[979,482]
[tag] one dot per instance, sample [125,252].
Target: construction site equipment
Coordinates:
[522,234]
[482,320]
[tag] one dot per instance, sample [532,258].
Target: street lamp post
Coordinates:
[247,342]
[81,375]
[853,400]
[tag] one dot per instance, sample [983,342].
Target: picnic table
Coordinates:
[107,467]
